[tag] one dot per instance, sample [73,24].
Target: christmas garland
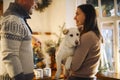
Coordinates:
[42,4]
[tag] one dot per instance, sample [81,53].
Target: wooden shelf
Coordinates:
[47,78]
[100,76]
[108,76]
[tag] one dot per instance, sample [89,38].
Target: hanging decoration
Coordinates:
[42,4]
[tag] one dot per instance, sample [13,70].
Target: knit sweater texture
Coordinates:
[16,49]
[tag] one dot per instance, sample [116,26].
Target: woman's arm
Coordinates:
[87,41]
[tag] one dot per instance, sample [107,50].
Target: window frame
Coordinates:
[116,45]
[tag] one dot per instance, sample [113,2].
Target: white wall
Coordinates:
[6,4]
[79,2]
[50,19]
[58,13]
[70,13]
[71,6]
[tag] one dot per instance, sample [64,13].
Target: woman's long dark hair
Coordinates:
[90,23]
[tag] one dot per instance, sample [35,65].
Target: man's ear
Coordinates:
[65,31]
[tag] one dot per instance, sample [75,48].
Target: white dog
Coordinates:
[66,48]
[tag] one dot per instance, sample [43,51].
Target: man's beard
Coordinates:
[31,11]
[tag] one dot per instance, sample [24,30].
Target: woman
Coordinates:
[87,55]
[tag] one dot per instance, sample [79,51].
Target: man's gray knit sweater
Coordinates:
[16,55]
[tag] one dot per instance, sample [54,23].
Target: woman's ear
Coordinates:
[65,31]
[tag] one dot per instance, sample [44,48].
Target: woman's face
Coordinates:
[79,17]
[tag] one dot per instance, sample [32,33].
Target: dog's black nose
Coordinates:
[76,42]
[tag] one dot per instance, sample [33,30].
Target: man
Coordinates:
[16,57]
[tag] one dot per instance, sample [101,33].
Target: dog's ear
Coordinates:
[65,31]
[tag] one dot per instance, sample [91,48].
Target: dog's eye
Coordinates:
[71,35]
[77,34]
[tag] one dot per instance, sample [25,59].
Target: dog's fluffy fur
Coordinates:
[65,51]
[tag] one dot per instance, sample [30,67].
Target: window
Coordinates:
[108,12]
[118,7]
[1,7]
[107,32]
[107,8]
